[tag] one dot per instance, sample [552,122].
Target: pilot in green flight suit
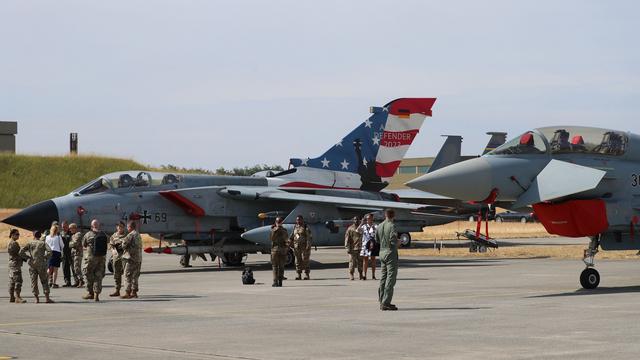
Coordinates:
[387,237]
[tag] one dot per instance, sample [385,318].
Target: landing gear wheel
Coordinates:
[472,218]
[523,220]
[233,259]
[405,240]
[499,219]
[590,278]
[110,265]
[291,259]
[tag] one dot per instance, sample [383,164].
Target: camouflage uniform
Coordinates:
[301,240]
[15,269]
[76,254]
[38,253]
[387,237]
[115,244]
[279,248]
[353,244]
[93,266]
[132,257]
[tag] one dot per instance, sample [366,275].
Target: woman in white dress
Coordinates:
[369,246]
[55,243]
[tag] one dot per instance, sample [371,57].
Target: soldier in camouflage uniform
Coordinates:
[279,247]
[132,257]
[115,244]
[301,241]
[93,266]
[387,237]
[38,253]
[353,244]
[15,268]
[76,254]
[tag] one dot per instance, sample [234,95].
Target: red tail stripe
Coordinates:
[386,170]
[411,106]
[398,138]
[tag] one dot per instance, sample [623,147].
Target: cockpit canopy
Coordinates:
[566,140]
[128,180]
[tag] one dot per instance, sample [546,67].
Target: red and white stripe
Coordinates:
[403,125]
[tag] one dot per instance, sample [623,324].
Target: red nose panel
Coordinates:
[574,218]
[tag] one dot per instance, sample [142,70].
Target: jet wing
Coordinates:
[559,179]
[339,201]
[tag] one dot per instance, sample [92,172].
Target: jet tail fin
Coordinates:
[376,147]
[497,139]
[449,154]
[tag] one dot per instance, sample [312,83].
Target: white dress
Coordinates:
[368,233]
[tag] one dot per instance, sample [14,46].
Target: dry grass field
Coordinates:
[496,230]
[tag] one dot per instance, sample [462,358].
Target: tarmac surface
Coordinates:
[449,309]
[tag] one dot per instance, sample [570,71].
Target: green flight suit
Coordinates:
[387,237]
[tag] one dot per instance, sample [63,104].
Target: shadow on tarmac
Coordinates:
[598,291]
[445,309]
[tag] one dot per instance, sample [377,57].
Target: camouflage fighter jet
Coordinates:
[580,181]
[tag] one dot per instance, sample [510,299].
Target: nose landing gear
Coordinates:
[590,277]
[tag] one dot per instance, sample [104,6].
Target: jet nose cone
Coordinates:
[35,217]
[469,180]
[259,235]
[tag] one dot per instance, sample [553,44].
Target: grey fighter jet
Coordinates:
[580,181]
[208,214]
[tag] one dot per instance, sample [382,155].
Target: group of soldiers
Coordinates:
[386,237]
[87,260]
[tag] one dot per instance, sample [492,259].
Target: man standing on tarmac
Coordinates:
[115,244]
[279,247]
[301,243]
[94,243]
[67,259]
[353,244]
[76,254]
[132,258]
[387,237]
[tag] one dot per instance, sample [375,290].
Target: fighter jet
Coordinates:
[201,214]
[580,181]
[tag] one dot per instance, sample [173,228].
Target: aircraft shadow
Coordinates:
[594,292]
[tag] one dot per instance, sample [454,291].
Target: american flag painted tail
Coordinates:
[376,147]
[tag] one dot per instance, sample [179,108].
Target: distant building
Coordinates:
[412,168]
[8,131]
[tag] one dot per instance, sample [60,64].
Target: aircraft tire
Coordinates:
[499,219]
[472,218]
[405,240]
[523,220]
[590,278]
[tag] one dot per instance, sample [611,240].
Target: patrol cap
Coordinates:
[13,232]
[37,234]
[121,223]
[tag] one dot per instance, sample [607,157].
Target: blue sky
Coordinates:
[235,83]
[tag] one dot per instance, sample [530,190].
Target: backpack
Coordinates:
[100,244]
[247,277]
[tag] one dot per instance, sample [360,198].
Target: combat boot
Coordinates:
[115,293]
[96,297]
[351,277]
[275,283]
[361,277]
[127,295]
[280,283]
[306,276]
[134,294]
[299,277]
[12,298]
[48,300]
[88,296]
[18,299]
